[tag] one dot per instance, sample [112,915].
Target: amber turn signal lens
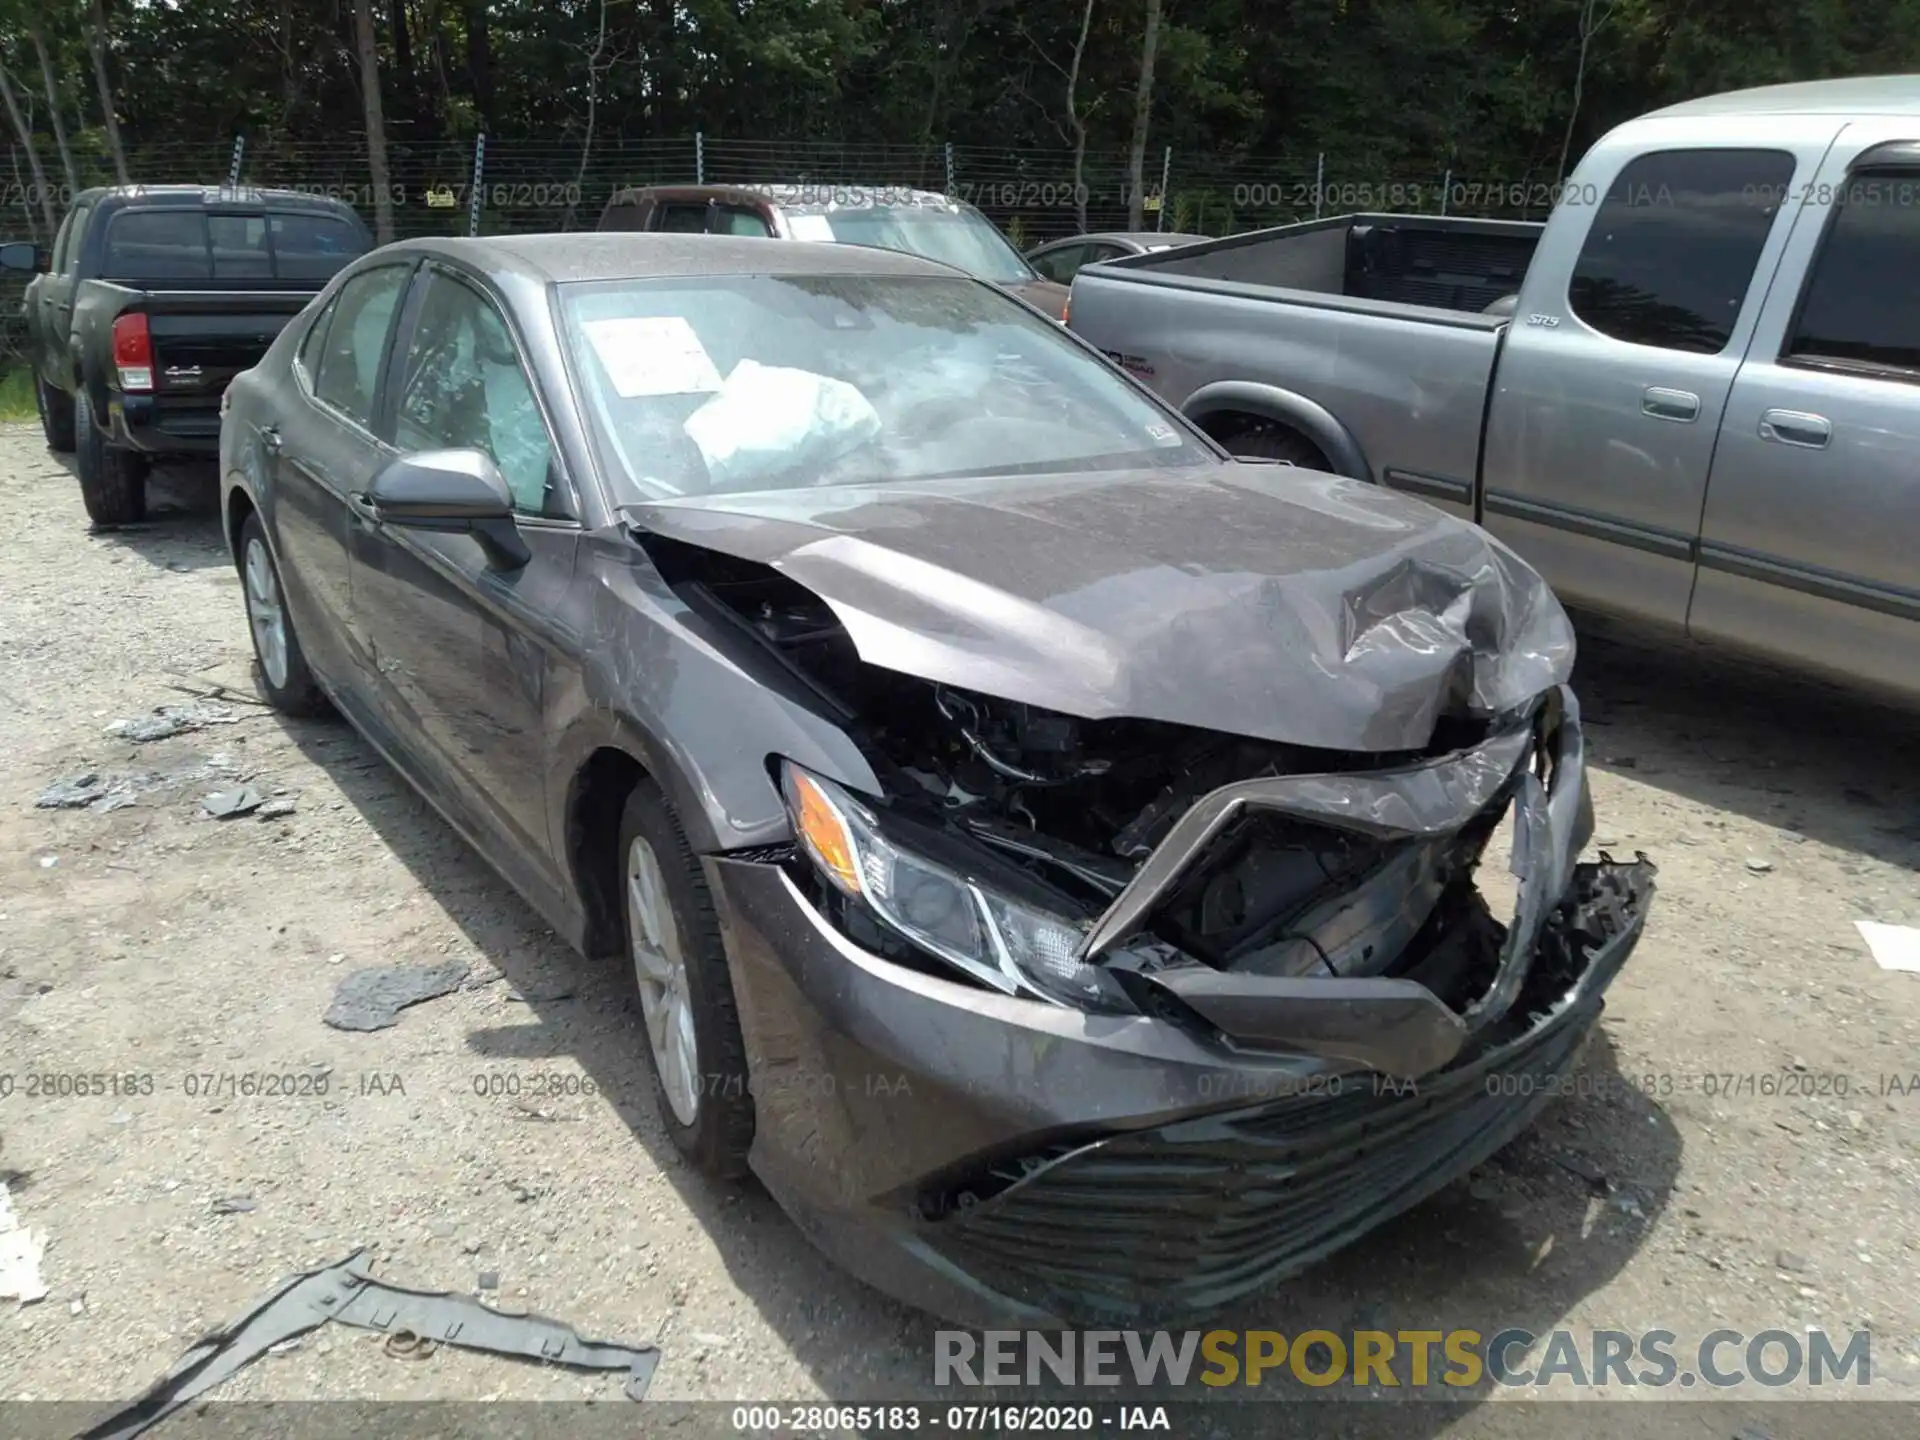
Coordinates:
[825,832]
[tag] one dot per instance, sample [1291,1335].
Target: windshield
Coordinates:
[736,383]
[962,238]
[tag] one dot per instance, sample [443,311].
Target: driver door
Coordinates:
[466,652]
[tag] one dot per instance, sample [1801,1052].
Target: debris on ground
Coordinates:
[276,809]
[76,792]
[229,804]
[235,1204]
[1893,947]
[20,1252]
[167,721]
[373,999]
[411,1319]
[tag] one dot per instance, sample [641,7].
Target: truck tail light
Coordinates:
[133,352]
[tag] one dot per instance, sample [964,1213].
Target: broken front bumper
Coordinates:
[1003,1161]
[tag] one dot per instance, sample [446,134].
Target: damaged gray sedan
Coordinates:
[1045,848]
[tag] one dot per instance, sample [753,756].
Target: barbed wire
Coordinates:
[530,185]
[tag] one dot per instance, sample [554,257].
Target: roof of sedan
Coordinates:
[629,255]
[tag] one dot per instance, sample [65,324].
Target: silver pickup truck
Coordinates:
[1690,398]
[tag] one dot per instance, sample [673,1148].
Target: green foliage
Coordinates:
[1386,89]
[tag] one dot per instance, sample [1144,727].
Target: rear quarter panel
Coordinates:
[1411,389]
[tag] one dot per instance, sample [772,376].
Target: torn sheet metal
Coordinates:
[1276,604]
[346,1292]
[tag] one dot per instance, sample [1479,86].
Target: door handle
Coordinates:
[1796,427]
[270,439]
[1664,404]
[363,505]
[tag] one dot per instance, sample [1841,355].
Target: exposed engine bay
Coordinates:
[1066,810]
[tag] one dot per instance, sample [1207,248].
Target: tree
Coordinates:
[368,44]
[37,34]
[1142,118]
[97,44]
[1076,127]
[24,131]
[1592,17]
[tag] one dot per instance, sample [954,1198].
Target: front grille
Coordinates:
[1172,1224]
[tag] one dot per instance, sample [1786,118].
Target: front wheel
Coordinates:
[284,676]
[113,482]
[686,992]
[56,415]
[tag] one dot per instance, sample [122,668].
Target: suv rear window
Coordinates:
[228,245]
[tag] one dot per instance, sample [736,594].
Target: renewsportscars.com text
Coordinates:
[1557,1360]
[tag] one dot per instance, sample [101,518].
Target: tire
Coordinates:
[284,677]
[1266,440]
[718,1131]
[56,416]
[113,482]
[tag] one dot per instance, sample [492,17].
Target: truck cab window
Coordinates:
[1673,246]
[737,220]
[683,219]
[1857,309]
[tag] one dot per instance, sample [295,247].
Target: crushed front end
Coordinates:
[1113,1021]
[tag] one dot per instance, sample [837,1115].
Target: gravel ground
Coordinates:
[153,940]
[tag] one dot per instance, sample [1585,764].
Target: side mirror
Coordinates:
[22,255]
[453,491]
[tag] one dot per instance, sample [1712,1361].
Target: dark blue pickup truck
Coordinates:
[152,298]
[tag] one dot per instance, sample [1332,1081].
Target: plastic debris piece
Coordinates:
[411,1319]
[229,804]
[20,1253]
[74,793]
[235,1204]
[1893,947]
[373,999]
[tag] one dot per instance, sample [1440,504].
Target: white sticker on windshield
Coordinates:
[652,355]
[1163,435]
[809,227]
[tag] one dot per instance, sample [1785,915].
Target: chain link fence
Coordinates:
[500,186]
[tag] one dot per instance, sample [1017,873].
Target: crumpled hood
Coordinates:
[1264,601]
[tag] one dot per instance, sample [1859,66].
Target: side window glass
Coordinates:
[61,238]
[683,219]
[1854,311]
[315,339]
[1673,246]
[1060,265]
[356,338]
[735,221]
[464,388]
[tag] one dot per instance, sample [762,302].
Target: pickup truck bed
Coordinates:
[1391,322]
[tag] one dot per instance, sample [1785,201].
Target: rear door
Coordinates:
[54,299]
[1810,548]
[324,450]
[1610,387]
[464,649]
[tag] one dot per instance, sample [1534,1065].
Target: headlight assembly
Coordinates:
[997,940]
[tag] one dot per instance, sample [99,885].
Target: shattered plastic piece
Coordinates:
[1893,947]
[167,721]
[346,1292]
[228,804]
[276,809]
[373,999]
[74,793]
[20,1252]
[235,1205]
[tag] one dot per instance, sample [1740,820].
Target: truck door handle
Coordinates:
[1664,404]
[270,439]
[1796,427]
